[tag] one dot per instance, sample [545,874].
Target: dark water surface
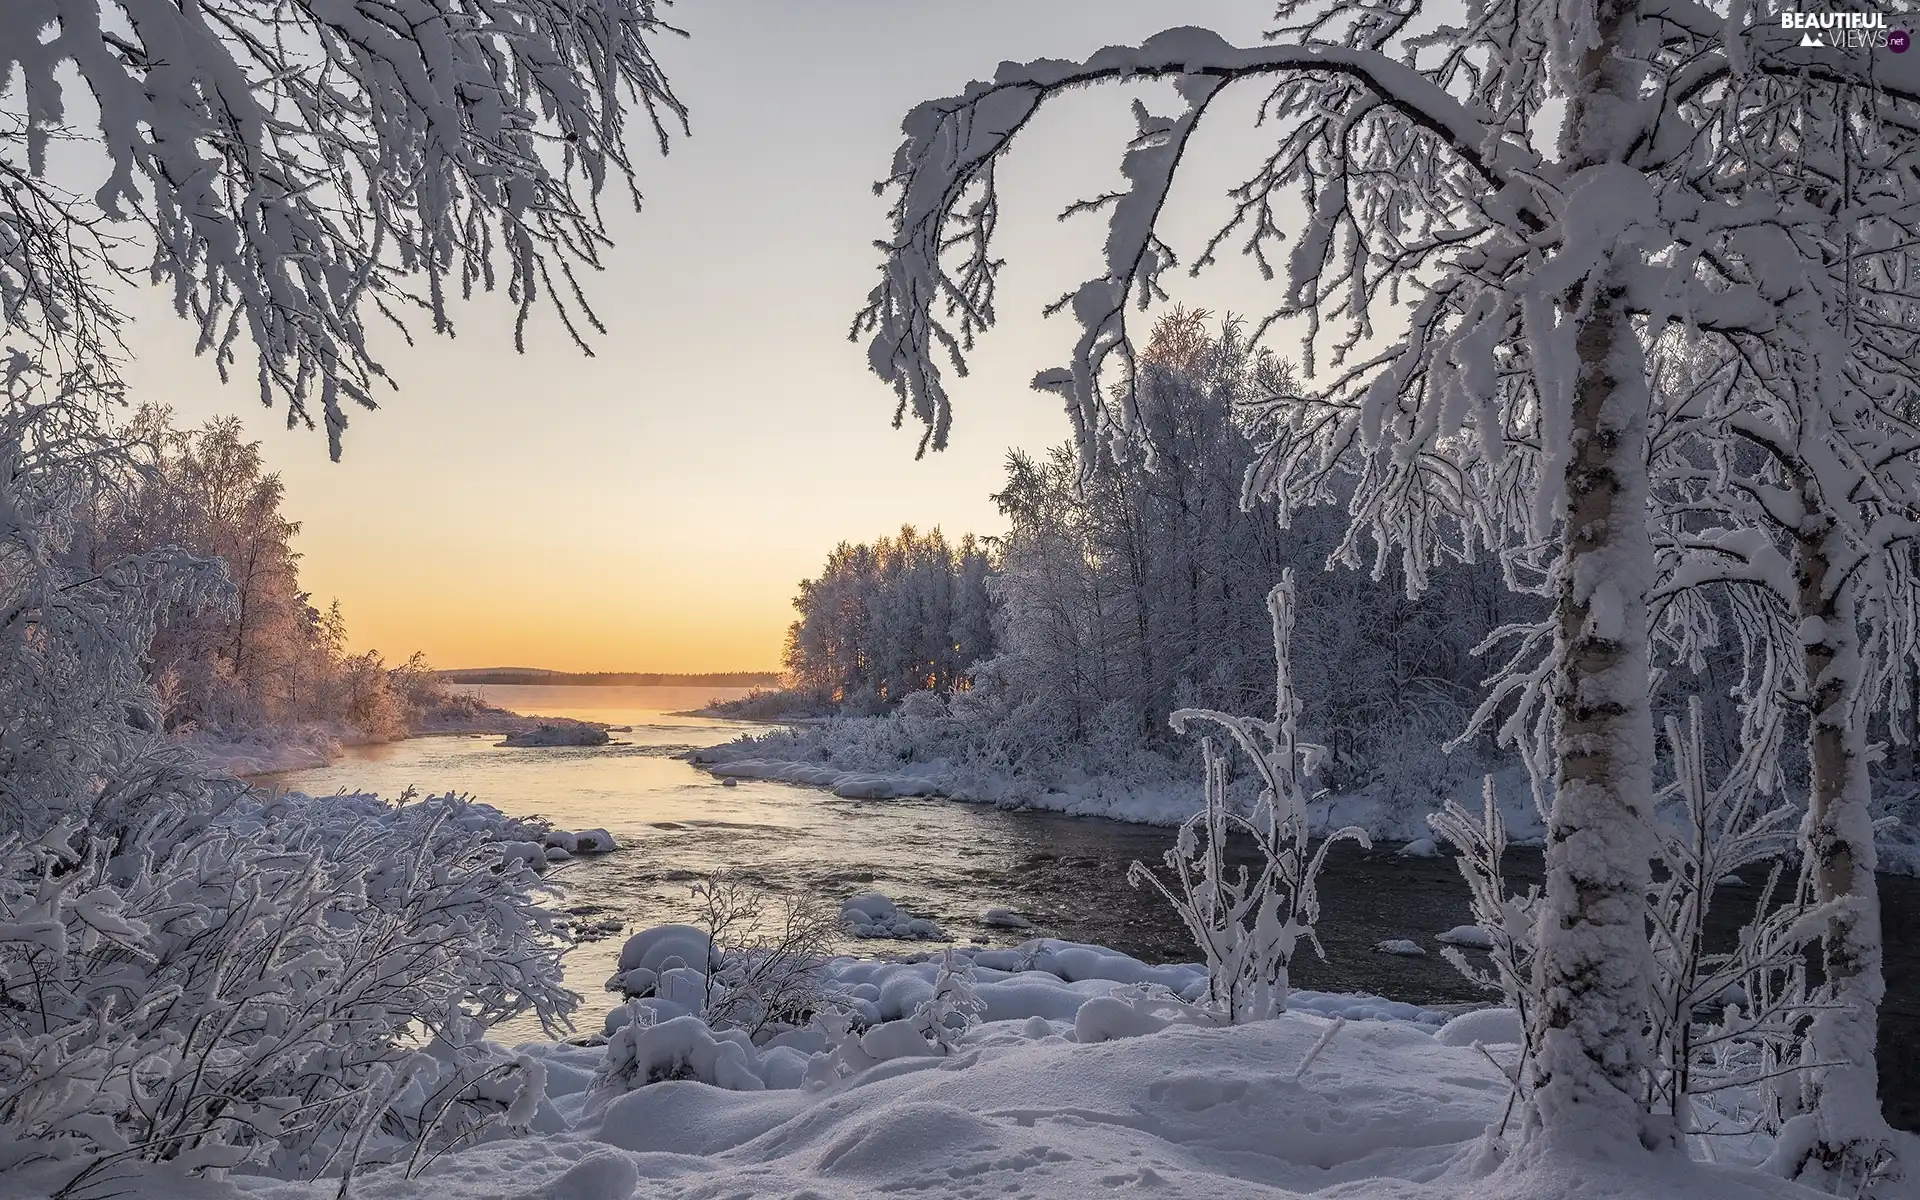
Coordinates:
[950,861]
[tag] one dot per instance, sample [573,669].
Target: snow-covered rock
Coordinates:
[1402,946]
[1487,1026]
[1470,937]
[594,841]
[873,915]
[1004,918]
[1420,848]
[665,947]
[559,733]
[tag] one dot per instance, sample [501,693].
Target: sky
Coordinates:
[652,508]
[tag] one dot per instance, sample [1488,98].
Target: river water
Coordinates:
[938,859]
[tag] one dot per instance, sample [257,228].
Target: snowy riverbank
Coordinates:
[896,756]
[274,749]
[1074,1072]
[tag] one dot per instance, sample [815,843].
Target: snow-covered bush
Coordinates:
[195,973]
[246,983]
[642,1051]
[1505,921]
[769,955]
[1249,927]
[1726,1028]
[1728,1023]
[955,1006]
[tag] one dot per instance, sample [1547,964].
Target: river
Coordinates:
[938,859]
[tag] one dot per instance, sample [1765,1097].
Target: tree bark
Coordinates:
[1850,1128]
[1593,960]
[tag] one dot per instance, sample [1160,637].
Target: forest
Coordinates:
[264,659]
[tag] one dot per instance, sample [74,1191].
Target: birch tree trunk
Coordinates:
[1593,961]
[1848,1123]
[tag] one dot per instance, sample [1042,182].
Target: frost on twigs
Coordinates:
[301,172]
[1249,925]
[1726,1020]
[768,955]
[1508,923]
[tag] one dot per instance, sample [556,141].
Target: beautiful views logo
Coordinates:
[1846,31]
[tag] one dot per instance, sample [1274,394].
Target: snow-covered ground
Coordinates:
[1080,1077]
[266,751]
[274,749]
[873,758]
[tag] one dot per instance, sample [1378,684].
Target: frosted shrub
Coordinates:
[193,973]
[1248,926]
[1508,920]
[644,1051]
[934,1029]
[955,1006]
[1728,1027]
[245,985]
[769,970]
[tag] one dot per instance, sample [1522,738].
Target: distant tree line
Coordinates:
[907,613]
[534,676]
[1116,597]
[270,655]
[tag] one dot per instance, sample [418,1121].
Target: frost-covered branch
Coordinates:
[303,171]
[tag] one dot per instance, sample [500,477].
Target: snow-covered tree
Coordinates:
[1530,190]
[193,972]
[1797,498]
[908,613]
[1142,589]
[298,173]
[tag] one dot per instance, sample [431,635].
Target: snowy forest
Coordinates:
[1567,494]
[268,658]
[1115,600]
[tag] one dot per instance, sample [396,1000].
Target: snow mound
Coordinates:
[1176,1111]
[569,733]
[1487,1026]
[641,1052]
[1472,937]
[873,915]
[1004,918]
[849,785]
[1420,848]
[649,954]
[1402,946]
[601,1176]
